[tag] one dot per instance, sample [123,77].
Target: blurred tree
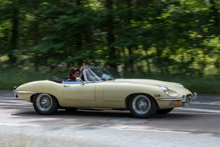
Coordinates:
[166,36]
[10,11]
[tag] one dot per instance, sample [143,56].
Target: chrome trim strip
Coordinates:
[17,91]
[170,99]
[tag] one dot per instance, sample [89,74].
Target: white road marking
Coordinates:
[205,103]
[194,113]
[14,106]
[10,98]
[19,125]
[120,128]
[199,110]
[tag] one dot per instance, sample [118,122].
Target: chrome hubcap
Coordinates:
[44,102]
[141,104]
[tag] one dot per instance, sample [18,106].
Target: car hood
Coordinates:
[149,82]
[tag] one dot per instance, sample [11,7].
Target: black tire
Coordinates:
[139,102]
[71,109]
[164,111]
[45,104]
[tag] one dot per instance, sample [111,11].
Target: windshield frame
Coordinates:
[89,74]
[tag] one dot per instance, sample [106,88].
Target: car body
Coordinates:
[97,89]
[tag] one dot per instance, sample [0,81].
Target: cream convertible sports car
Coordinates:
[97,89]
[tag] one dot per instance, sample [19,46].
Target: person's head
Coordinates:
[74,72]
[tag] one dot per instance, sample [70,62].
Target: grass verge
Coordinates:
[209,84]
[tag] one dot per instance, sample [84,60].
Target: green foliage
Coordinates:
[173,37]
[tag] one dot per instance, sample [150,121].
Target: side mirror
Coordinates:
[78,79]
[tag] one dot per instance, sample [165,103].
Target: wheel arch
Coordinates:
[131,95]
[32,97]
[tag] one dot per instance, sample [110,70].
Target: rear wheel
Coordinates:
[45,104]
[142,106]
[164,111]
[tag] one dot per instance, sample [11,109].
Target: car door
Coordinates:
[78,91]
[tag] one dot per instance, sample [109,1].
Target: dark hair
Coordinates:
[73,70]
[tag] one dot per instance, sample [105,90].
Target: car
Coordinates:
[96,88]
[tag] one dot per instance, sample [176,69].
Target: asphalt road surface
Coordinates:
[197,125]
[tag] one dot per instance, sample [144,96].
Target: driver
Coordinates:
[75,72]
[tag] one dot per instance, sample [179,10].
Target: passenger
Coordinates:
[75,72]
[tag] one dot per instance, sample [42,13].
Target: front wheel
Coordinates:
[45,104]
[142,106]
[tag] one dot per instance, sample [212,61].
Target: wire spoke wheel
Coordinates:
[142,106]
[45,103]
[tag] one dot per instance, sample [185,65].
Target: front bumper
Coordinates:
[19,91]
[185,99]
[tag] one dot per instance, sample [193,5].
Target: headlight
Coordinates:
[169,92]
[165,89]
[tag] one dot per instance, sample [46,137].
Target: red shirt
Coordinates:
[71,77]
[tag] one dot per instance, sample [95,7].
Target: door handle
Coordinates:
[66,86]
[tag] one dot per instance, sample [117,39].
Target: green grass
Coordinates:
[11,78]
[208,84]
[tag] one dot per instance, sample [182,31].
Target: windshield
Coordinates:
[97,74]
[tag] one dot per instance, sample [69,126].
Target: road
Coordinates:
[197,125]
